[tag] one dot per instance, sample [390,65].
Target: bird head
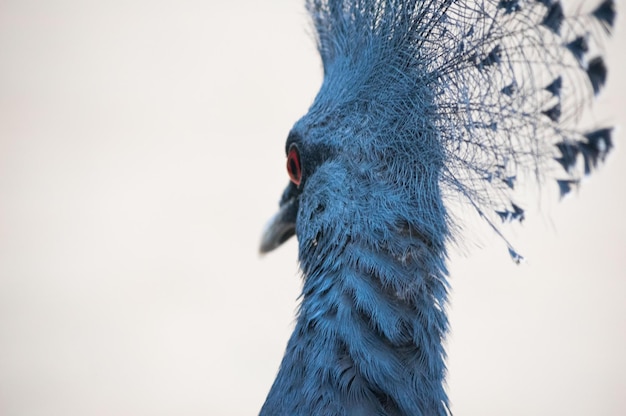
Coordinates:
[399,121]
[359,172]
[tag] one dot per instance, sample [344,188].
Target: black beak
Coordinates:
[282,226]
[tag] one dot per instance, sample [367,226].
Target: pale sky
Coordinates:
[141,152]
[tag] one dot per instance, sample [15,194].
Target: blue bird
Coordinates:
[423,103]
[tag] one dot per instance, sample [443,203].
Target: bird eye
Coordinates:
[293,165]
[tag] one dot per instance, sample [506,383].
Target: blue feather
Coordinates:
[421,102]
[605,13]
[597,74]
[554,17]
[555,87]
[578,47]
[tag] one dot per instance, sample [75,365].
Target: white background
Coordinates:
[141,152]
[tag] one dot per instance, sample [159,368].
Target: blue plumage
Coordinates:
[422,102]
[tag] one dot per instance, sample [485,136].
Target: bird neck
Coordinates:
[369,335]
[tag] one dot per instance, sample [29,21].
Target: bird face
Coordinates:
[303,159]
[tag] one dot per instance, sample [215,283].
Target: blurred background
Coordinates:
[141,152]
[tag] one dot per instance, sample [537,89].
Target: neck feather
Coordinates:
[369,335]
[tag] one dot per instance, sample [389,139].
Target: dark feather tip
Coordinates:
[601,140]
[517,258]
[555,87]
[554,18]
[491,59]
[566,185]
[509,89]
[597,74]
[518,213]
[508,216]
[510,181]
[569,152]
[554,113]
[509,6]
[578,47]
[596,148]
[605,13]
[505,216]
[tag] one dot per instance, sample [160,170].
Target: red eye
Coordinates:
[293,165]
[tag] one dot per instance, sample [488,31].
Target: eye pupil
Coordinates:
[293,165]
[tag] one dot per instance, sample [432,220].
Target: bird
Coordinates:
[425,105]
